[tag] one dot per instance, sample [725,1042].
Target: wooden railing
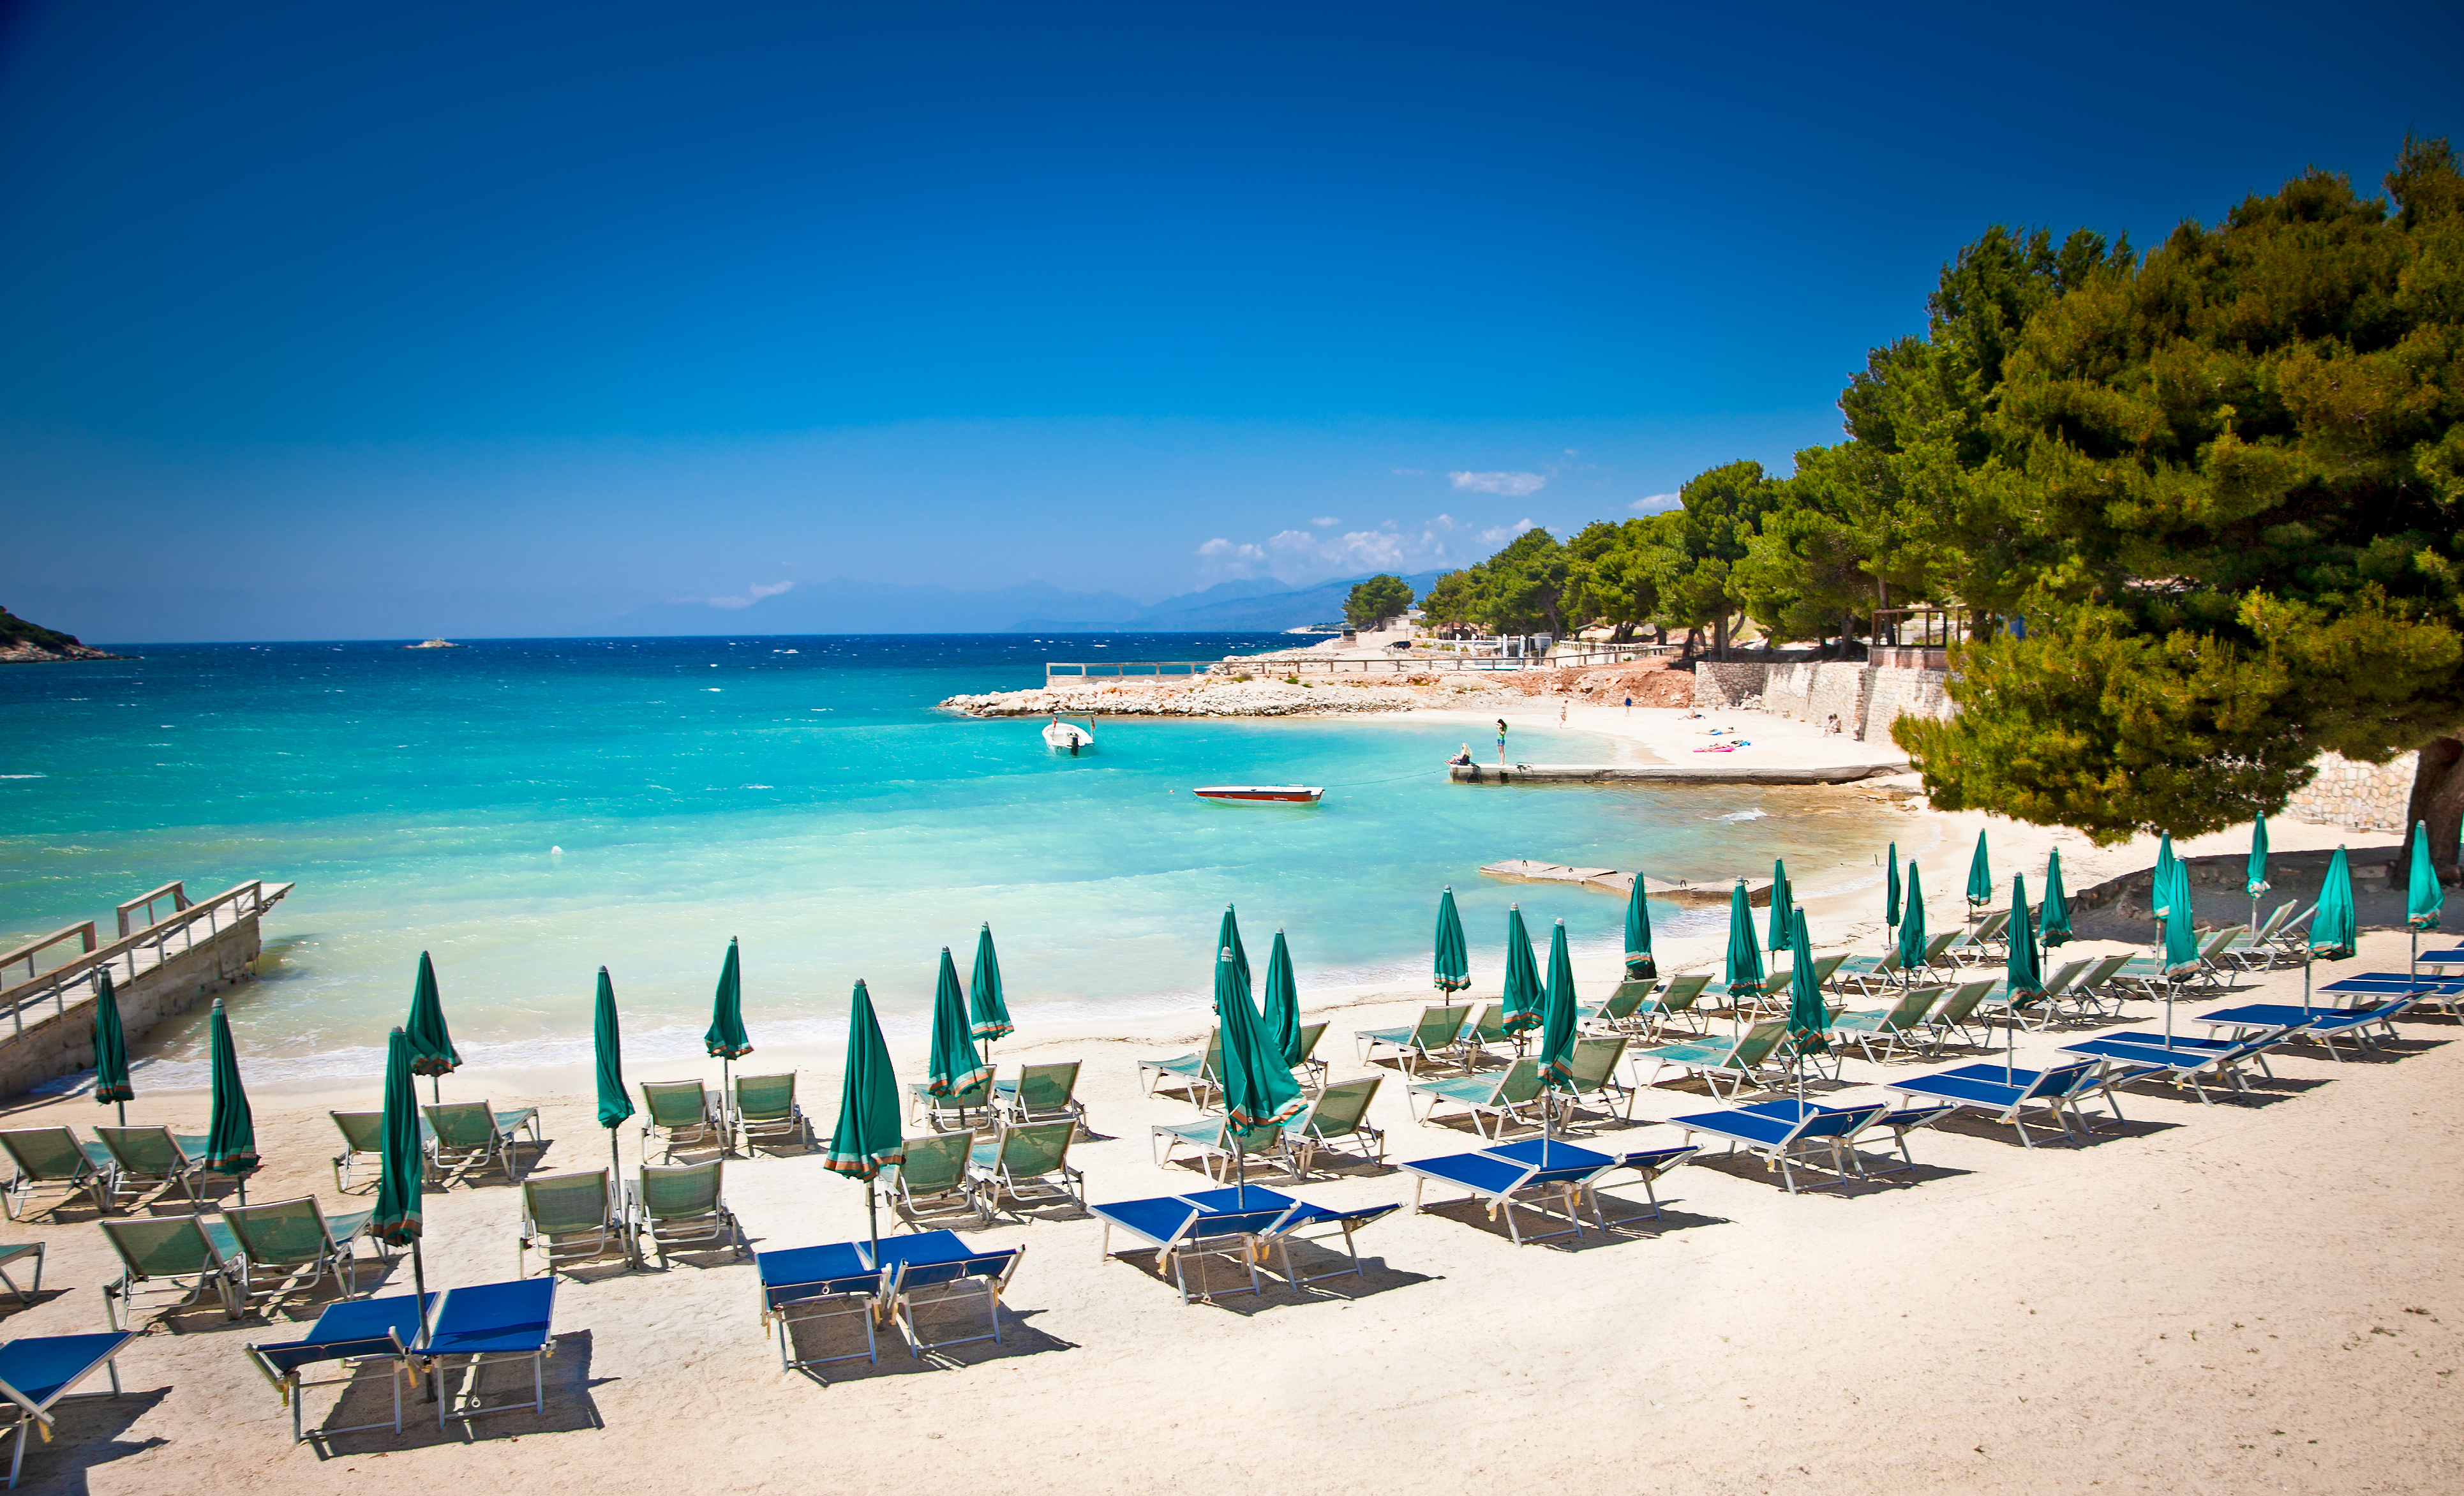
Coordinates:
[176,890]
[1084,668]
[80,977]
[27,953]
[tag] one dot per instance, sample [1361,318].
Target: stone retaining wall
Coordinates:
[2360,797]
[1866,699]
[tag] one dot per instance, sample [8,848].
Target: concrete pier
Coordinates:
[1668,773]
[164,967]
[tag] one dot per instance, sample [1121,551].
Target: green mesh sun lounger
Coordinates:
[1486,1032]
[362,1147]
[1422,1040]
[1217,1142]
[188,1255]
[571,1218]
[11,1253]
[1901,1020]
[1198,1073]
[1340,1113]
[931,1182]
[37,1371]
[1739,1059]
[1617,1015]
[1676,998]
[464,1134]
[1041,1093]
[53,1160]
[964,1110]
[1309,1062]
[149,1159]
[678,1207]
[767,1114]
[291,1243]
[1500,1097]
[1593,1074]
[680,1114]
[1028,1165]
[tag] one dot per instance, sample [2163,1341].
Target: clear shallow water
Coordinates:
[801,794]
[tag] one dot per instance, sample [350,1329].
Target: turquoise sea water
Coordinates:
[801,794]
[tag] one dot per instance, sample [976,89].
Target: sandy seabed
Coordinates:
[2258,1294]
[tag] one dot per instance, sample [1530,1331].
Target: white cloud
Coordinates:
[1514,485]
[1300,557]
[1411,472]
[1506,532]
[752,594]
[1326,522]
[1652,503]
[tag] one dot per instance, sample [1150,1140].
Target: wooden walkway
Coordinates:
[190,927]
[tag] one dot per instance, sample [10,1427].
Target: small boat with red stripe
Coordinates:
[1269,794]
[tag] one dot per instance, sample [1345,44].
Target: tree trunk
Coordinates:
[1720,637]
[2437,801]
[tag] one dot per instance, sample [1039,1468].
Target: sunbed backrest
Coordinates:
[143,1150]
[1627,998]
[1683,991]
[1825,967]
[1489,1028]
[2062,1079]
[161,1246]
[670,1191]
[1212,1065]
[1439,1026]
[1041,1088]
[561,1202]
[49,1153]
[1595,1060]
[1759,1042]
[675,1103]
[1938,944]
[1339,1109]
[1911,1007]
[933,1165]
[1037,1148]
[2062,979]
[1310,1034]
[463,1124]
[762,1098]
[362,1131]
[279,1233]
[1520,1083]
[1963,1001]
[980,1092]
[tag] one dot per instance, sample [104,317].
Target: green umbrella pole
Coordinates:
[872,1218]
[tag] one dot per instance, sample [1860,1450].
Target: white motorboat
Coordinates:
[1068,738]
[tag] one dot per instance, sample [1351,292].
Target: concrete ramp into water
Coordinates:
[1669,773]
[1608,880]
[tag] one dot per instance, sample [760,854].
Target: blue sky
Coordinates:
[327,320]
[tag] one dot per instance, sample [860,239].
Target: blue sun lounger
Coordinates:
[801,1283]
[1507,1175]
[1785,1131]
[490,1322]
[2138,1057]
[2005,1094]
[1211,1223]
[39,1371]
[2325,1024]
[354,1331]
[912,1265]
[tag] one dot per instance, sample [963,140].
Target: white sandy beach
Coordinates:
[2259,1296]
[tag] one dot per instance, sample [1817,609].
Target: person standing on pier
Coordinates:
[1501,741]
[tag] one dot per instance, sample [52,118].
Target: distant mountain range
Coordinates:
[842,606]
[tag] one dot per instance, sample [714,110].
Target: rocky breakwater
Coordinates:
[1219,695]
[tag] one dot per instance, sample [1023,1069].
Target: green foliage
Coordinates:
[1519,590]
[17,631]
[1374,601]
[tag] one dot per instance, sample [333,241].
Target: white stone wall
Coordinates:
[2360,797]
[1865,698]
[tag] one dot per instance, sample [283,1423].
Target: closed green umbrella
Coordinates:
[1639,966]
[1783,907]
[2163,884]
[231,1139]
[110,1051]
[1809,1017]
[2056,926]
[725,1038]
[1453,958]
[2424,899]
[1557,1015]
[2334,929]
[1912,930]
[401,1168]
[2181,933]
[955,1067]
[1980,876]
[607,1048]
[432,1048]
[1282,1003]
[2022,975]
[1228,934]
[1523,991]
[1258,1086]
[1745,958]
[869,1137]
[2255,875]
[985,992]
[1891,894]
